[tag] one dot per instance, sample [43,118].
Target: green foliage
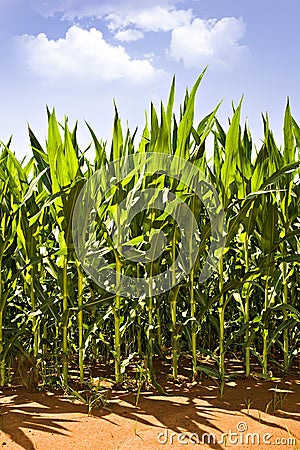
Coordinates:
[250,306]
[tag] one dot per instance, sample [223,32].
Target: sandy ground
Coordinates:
[251,415]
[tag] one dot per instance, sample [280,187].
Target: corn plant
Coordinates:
[249,306]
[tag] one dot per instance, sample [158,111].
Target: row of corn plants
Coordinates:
[54,313]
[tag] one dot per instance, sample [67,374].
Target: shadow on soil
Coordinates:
[194,412]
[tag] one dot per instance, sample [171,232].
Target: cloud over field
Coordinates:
[83,55]
[151,19]
[208,41]
[78,9]
[129,35]
[193,40]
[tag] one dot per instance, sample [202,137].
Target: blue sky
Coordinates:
[78,55]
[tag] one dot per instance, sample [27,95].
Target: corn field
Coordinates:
[54,313]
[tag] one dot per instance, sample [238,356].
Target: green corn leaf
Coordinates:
[117,141]
[289,147]
[228,170]
[186,122]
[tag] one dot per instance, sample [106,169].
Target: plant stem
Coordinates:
[94,343]
[117,308]
[285,318]
[80,321]
[65,323]
[173,297]
[139,321]
[247,307]
[194,335]
[174,337]
[193,308]
[150,322]
[35,328]
[221,322]
[159,334]
[45,334]
[265,330]
[2,361]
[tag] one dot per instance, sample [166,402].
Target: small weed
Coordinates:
[90,396]
[279,397]
[248,404]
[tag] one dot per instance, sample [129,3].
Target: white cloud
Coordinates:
[116,22]
[194,41]
[153,15]
[129,35]
[78,9]
[208,41]
[160,19]
[83,56]
[156,18]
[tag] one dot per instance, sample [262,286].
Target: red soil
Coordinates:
[250,408]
